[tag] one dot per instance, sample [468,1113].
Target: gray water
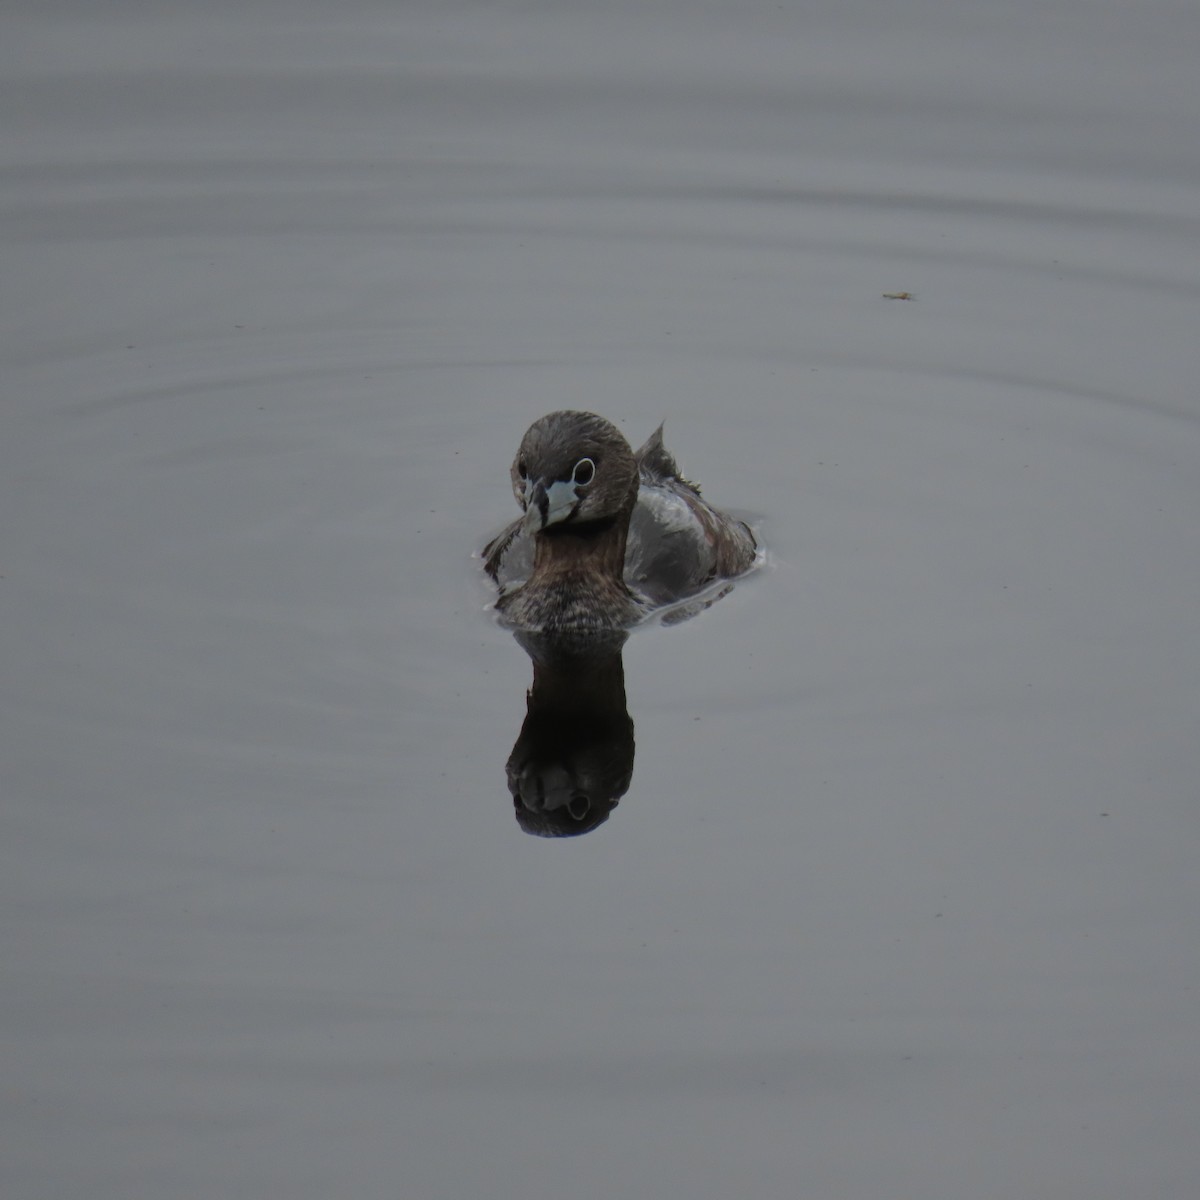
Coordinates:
[902,899]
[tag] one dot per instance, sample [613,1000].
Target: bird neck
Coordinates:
[595,548]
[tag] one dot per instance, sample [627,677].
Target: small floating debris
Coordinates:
[898,296]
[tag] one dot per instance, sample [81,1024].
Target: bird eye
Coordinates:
[584,472]
[522,469]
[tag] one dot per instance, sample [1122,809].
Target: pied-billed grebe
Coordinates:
[608,535]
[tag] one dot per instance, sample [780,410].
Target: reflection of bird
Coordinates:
[574,758]
[608,535]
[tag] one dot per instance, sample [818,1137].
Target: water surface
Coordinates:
[901,898]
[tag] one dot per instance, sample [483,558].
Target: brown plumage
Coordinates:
[608,536]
